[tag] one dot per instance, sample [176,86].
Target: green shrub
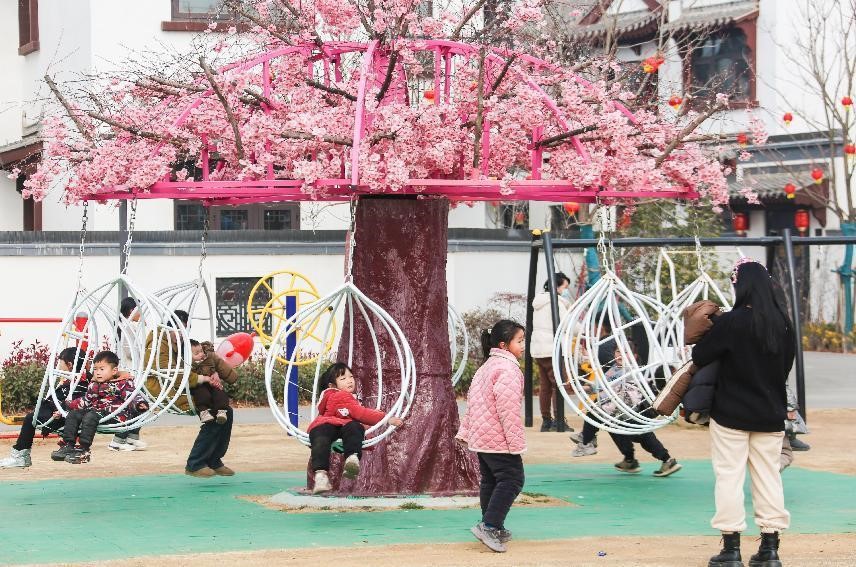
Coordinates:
[21,377]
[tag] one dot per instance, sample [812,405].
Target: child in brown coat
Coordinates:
[210,402]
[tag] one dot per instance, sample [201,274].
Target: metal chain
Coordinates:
[85,219]
[127,248]
[352,240]
[699,258]
[206,225]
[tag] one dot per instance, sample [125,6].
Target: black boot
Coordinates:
[768,552]
[730,554]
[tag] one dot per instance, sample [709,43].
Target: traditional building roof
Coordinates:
[715,16]
[630,25]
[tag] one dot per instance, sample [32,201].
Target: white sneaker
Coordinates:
[205,416]
[584,450]
[352,467]
[16,459]
[115,445]
[222,417]
[139,444]
[322,483]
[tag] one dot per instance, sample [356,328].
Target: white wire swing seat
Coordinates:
[101,332]
[577,340]
[458,333]
[194,297]
[670,327]
[354,302]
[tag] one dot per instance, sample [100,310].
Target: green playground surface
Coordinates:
[119,517]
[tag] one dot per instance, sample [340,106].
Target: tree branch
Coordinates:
[456,34]
[387,80]
[297,135]
[68,108]
[332,90]
[230,116]
[479,110]
[688,129]
[126,127]
[558,139]
[502,73]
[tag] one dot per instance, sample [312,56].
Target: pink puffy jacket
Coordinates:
[492,423]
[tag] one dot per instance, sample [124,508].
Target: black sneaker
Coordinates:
[798,445]
[628,466]
[555,426]
[546,425]
[61,453]
[78,456]
[668,467]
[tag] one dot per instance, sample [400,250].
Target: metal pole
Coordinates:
[554,311]
[123,237]
[795,315]
[527,353]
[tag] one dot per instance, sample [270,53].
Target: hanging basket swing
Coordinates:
[91,326]
[459,344]
[312,325]
[595,320]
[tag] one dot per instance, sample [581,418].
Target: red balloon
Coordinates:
[236,349]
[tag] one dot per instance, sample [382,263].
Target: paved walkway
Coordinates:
[113,518]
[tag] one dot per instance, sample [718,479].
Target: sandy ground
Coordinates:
[266,448]
[796,550]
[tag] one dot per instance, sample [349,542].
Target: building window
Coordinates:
[279,216]
[199,10]
[231,298]
[723,63]
[28,26]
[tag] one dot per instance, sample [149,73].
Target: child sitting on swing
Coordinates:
[340,416]
[107,391]
[210,402]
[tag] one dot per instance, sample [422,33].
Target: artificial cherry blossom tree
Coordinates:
[408,109]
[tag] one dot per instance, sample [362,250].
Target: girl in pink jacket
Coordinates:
[492,427]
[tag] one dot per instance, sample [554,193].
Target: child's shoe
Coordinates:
[119,444]
[584,450]
[668,467]
[64,450]
[139,444]
[628,466]
[578,439]
[78,456]
[17,459]
[352,467]
[322,483]
[205,416]
[489,537]
[222,416]
[504,535]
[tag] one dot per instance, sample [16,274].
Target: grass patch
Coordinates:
[412,506]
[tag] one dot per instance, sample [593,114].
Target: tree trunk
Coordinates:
[400,263]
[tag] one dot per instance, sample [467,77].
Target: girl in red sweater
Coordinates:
[340,416]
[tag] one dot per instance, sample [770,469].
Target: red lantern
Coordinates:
[571,208]
[847,102]
[740,223]
[675,102]
[429,96]
[742,139]
[790,189]
[850,149]
[817,175]
[81,320]
[801,220]
[788,118]
[651,64]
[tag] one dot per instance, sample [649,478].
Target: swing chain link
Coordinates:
[352,241]
[85,220]
[206,225]
[126,249]
[699,258]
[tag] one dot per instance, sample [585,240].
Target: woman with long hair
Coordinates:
[754,343]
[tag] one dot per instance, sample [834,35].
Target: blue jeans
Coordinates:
[211,444]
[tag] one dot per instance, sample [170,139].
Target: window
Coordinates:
[28,26]
[231,297]
[723,63]
[198,10]
[279,216]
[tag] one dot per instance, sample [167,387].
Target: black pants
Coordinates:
[648,441]
[589,432]
[28,430]
[323,436]
[501,481]
[211,444]
[82,424]
[126,434]
[207,397]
